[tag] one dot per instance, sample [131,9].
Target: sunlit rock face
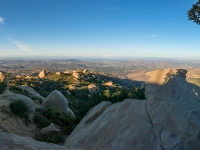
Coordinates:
[162,76]
[168,119]
[58,73]
[42,74]
[92,88]
[3,78]
[76,75]
[174,108]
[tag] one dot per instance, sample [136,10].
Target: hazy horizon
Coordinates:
[117,58]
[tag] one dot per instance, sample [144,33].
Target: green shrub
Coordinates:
[139,93]
[17,90]
[36,98]
[43,118]
[51,137]
[41,121]
[57,117]
[106,93]
[2,87]
[19,108]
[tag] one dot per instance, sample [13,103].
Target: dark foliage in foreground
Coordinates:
[194,13]
[51,137]
[2,87]
[19,108]
[81,106]
[44,118]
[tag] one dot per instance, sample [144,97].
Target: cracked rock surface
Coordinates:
[124,125]
[169,119]
[174,108]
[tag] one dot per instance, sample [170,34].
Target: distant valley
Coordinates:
[125,69]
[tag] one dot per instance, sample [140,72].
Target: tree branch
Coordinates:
[194,13]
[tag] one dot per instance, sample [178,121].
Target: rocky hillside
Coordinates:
[168,119]
[49,105]
[80,87]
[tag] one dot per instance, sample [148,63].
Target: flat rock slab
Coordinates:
[15,142]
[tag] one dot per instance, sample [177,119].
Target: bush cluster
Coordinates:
[41,120]
[82,106]
[44,118]
[36,98]
[2,87]
[17,90]
[19,108]
[53,115]
[51,137]
[138,92]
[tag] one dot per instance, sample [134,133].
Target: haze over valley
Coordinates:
[130,69]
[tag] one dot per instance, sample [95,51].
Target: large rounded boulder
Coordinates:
[57,100]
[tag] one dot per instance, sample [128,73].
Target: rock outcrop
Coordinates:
[57,100]
[10,123]
[50,128]
[28,77]
[58,73]
[76,74]
[15,142]
[168,120]
[18,76]
[92,88]
[28,101]
[85,71]
[68,72]
[174,108]
[42,74]
[15,125]
[3,78]
[72,87]
[124,125]
[110,83]
[31,91]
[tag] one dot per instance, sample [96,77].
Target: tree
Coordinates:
[194,13]
[106,93]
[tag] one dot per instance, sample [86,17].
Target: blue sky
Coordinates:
[98,28]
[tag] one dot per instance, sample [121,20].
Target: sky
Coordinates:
[98,28]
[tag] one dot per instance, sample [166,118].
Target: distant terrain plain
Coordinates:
[129,69]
